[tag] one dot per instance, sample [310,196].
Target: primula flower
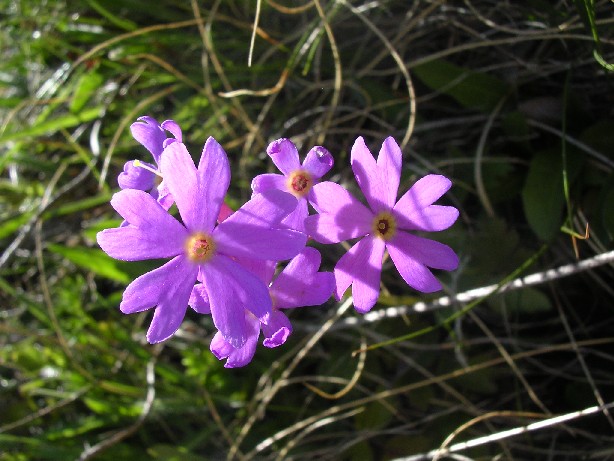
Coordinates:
[199,249]
[297,179]
[383,225]
[299,284]
[142,175]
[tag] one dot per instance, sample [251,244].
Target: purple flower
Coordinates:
[383,225]
[299,284]
[297,179]
[142,175]
[199,249]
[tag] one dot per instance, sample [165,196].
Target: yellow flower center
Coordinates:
[200,247]
[299,183]
[384,225]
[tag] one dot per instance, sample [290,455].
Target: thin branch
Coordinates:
[509,433]
[476,293]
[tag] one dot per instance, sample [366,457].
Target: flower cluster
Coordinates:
[223,263]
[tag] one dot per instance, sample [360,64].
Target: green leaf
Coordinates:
[474,90]
[542,196]
[600,136]
[86,86]
[94,260]
[607,213]
[79,205]
[171,453]
[48,126]
[113,19]
[11,225]
[374,416]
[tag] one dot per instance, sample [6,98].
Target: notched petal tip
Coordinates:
[284,154]
[275,147]
[148,120]
[173,127]
[277,339]
[318,162]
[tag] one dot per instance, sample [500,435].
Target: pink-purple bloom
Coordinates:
[296,179]
[200,249]
[299,284]
[142,175]
[383,225]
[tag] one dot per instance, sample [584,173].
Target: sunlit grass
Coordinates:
[508,100]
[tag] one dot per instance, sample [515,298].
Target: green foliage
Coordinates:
[474,90]
[94,260]
[76,373]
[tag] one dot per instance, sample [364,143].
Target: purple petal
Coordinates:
[197,193]
[165,199]
[220,347]
[214,175]
[300,283]
[151,232]
[134,177]
[249,232]
[147,120]
[415,274]
[389,168]
[368,177]
[149,133]
[168,288]
[423,193]
[412,254]
[173,127]
[361,267]
[167,319]
[264,182]
[428,252]
[318,162]
[284,155]
[199,301]
[225,212]
[150,288]
[341,216]
[237,357]
[231,290]
[264,270]
[278,329]
[433,218]
[296,219]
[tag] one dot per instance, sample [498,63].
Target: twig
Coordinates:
[509,433]
[470,295]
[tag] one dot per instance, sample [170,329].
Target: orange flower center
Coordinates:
[384,225]
[299,183]
[200,247]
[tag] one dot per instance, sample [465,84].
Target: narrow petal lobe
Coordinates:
[232,290]
[277,331]
[284,154]
[368,176]
[264,182]
[389,167]
[422,194]
[160,285]
[361,267]
[253,231]
[318,161]
[340,217]
[300,284]
[150,231]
